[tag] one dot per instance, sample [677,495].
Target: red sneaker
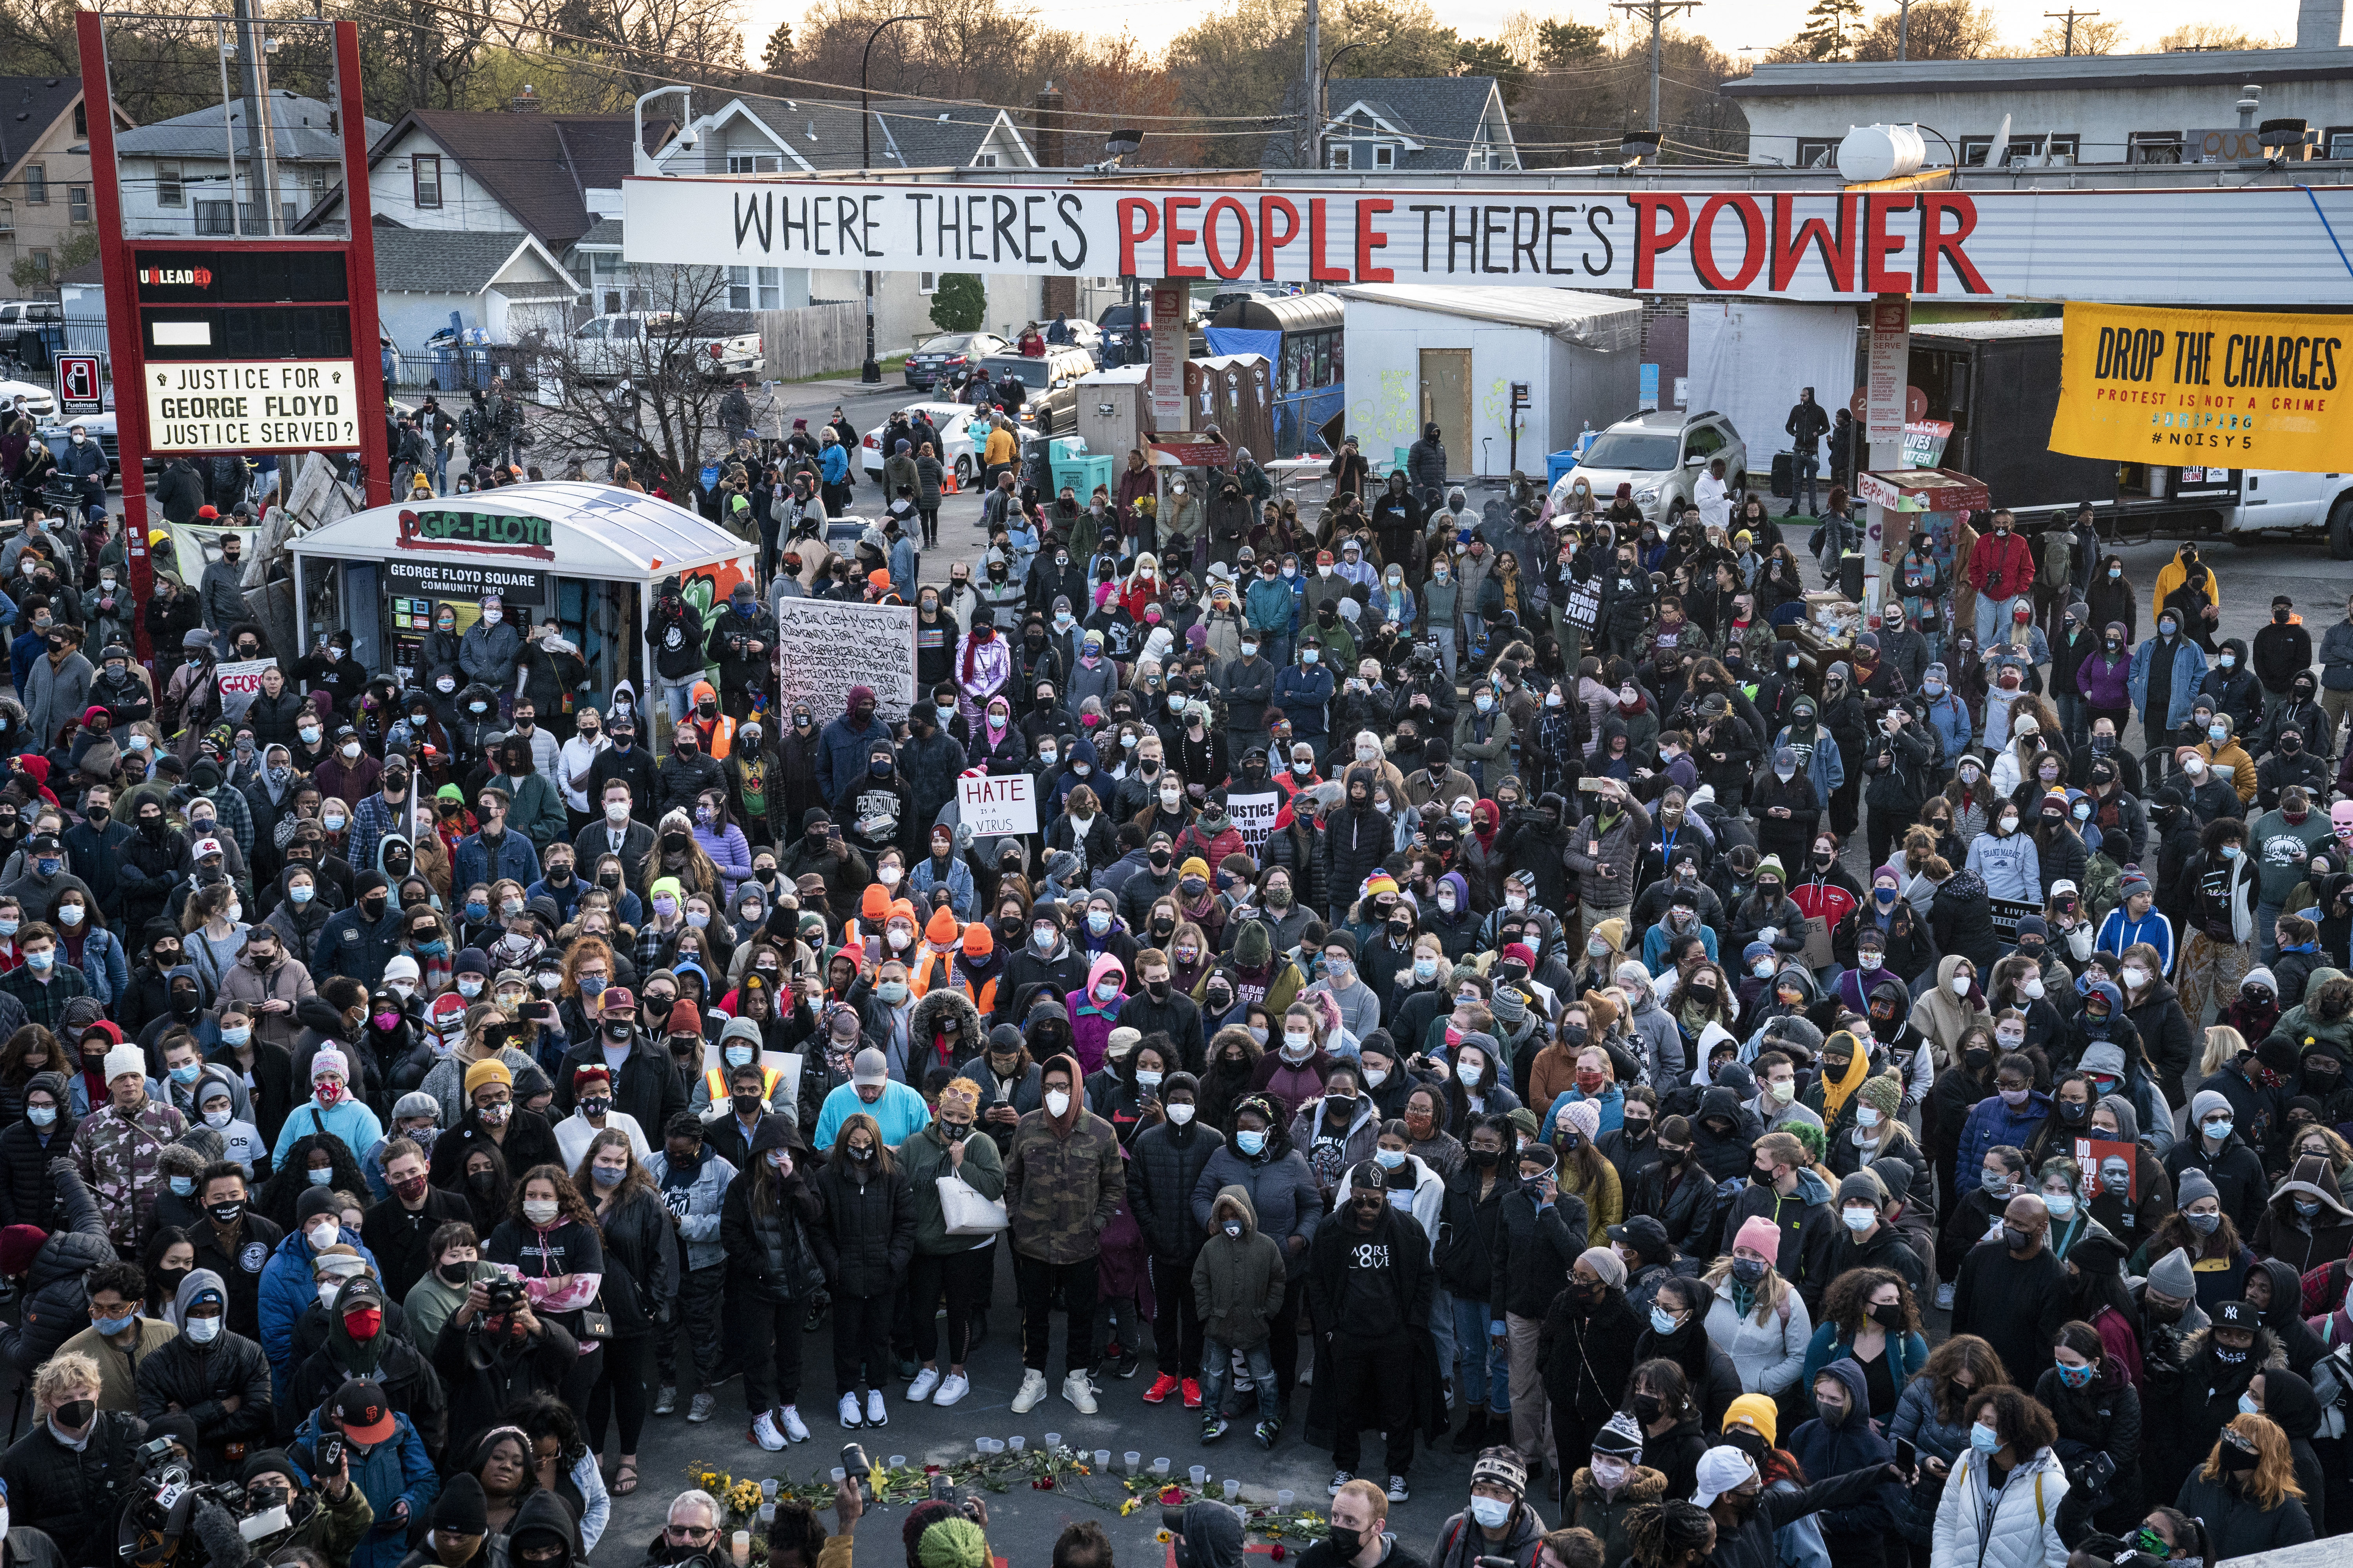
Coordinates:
[1192,1393]
[1162,1387]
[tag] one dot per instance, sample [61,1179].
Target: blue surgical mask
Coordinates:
[1099,920]
[739,1056]
[592,984]
[42,1115]
[303,893]
[187,1074]
[1389,1159]
[2203,1223]
[477,910]
[320,1178]
[1425,970]
[1984,1439]
[110,1326]
[236,1037]
[1662,1320]
[1250,1143]
[2247,1405]
[183,1186]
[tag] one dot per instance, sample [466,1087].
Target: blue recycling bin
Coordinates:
[1557,464]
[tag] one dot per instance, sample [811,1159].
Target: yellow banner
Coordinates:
[2235,388]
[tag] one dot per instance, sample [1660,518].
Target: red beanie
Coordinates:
[19,1244]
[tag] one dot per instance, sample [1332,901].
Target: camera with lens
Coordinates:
[505,1293]
[164,1500]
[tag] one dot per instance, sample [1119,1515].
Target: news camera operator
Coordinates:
[74,1471]
[331,1518]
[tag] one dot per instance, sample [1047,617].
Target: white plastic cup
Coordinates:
[1284,1498]
[839,1475]
[767,1513]
[1160,1468]
[1233,1489]
[1199,1475]
[1132,1462]
[898,1461]
[1017,1442]
[768,1488]
[1054,1441]
[1103,1458]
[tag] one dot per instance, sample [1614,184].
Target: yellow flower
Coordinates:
[1130,1505]
[1162,1536]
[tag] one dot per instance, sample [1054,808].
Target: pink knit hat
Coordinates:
[1583,1115]
[1759,1234]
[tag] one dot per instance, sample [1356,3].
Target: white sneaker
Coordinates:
[1945,1297]
[925,1381]
[1032,1394]
[875,1414]
[1080,1393]
[850,1415]
[953,1387]
[764,1433]
[795,1429]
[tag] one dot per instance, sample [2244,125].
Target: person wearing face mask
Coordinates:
[1063,1177]
[2167,672]
[331,1109]
[290,1283]
[2217,1372]
[2012,1291]
[1372,1290]
[70,1476]
[208,1371]
[358,941]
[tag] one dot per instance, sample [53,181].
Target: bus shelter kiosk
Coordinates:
[1935,503]
[587,556]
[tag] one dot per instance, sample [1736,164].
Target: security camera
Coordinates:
[686,139]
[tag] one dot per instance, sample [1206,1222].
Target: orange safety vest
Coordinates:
[714,1082]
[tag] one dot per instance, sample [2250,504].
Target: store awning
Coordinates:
[595,532]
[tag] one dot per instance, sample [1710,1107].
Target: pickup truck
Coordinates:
[1997,384]
[629,344]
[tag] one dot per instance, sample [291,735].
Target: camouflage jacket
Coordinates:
[1061,1190]
[117,1156]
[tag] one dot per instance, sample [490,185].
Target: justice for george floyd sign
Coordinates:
[2163,246]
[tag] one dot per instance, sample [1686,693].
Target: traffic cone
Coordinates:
[948,486]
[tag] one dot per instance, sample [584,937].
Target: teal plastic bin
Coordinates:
[1082,474]
[1065,448]
[1402,453]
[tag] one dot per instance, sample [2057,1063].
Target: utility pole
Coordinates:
[1311,119]
[1903,30]
[260,136]
[870,374]
[2070,17]
[1658,11]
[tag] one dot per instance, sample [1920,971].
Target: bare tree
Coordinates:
[640,394]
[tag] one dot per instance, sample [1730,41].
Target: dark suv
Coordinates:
[952,355]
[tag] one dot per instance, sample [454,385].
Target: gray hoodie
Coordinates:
[694,1195]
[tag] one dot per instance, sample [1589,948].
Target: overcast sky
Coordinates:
[1746,25]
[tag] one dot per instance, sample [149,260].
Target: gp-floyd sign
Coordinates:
[2171,246]
[268,406]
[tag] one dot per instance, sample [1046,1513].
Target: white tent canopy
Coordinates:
[602,532]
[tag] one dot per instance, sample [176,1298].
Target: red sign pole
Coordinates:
[121,319]
[359,262]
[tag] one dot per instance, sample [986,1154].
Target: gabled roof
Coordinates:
[820,135]
[538,166]
[1438,117]
[29,105]
[298,126]
[453,261]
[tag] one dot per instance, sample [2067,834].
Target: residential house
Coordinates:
[504,284]
[45,190]
[756,135]
[2181,107]
[189,175]
[1421,124]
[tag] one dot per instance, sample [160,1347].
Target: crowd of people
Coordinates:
[1471,1014]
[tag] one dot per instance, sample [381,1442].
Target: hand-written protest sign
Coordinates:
[1253,816]
[2099,1157]
[1583,607]
[994,805]
[825,646]
[240,682]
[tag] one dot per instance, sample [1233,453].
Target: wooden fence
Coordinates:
[814,340]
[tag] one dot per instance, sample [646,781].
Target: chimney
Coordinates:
[2320,24]
[1048,136]
[524,102]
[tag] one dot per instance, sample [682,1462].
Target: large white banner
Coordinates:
[825,646]
[2172,246]
[266,405]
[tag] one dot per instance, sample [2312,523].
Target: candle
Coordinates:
[742,1545]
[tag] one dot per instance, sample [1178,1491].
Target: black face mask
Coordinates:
[226,1213]
[1483,1158]
[456,1276]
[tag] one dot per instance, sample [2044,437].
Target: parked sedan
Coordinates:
[962,450]
[951,354]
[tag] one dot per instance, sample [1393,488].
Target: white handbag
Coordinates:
[966,1212]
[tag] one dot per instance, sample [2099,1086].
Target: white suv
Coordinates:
[1661,454]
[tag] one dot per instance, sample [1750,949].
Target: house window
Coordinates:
[170,192]
[81,119]
[2026,147]
[1384,156]
[215,217]
[1340,158]
[8,218]
[424,174]
[77,202]
[40,260]
[756,163]
[927,282]
[1818,151]
[753,289]
[2336,141]
[2153,147]
[985,161]
[37,184]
